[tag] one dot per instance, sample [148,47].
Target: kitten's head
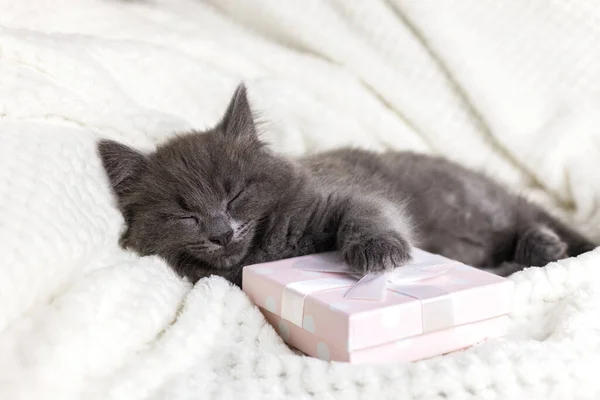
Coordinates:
[199,198]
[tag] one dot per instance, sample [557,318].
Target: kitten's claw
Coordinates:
[377,254]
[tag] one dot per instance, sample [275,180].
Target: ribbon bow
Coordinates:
[373,286]
[437,306]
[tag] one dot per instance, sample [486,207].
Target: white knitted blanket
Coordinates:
[509,87]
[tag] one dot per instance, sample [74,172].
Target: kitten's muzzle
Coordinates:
[222,239]
[219,230]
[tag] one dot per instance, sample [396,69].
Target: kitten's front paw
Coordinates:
[377,254]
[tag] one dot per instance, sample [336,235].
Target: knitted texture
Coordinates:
[511,88]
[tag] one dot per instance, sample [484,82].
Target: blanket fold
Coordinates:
[511,89]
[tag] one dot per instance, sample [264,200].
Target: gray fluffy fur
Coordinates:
[212,202]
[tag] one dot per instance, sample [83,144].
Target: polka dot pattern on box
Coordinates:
[323,351]
[342,305]
[263,270]
[284,330]
[270,304]
[308,323]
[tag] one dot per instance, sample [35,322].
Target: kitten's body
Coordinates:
[455,212]
[212,202]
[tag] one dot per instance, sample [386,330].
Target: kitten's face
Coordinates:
[200,197]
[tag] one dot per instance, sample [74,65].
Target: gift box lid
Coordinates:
[317,302]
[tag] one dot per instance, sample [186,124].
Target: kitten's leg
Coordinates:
[372,235]
[539,245]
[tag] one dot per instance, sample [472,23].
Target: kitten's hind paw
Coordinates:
[377,253]
[538,246]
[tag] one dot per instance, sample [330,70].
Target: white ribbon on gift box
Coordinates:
[437,308]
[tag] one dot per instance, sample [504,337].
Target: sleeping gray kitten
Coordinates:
[212,202]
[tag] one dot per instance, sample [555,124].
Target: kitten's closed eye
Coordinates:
[189,219]
[248,186]
[231,202]
[186,218]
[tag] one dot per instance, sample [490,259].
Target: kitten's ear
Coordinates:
[122,164]
[238,121]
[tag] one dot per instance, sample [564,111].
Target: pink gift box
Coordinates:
[417,317]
